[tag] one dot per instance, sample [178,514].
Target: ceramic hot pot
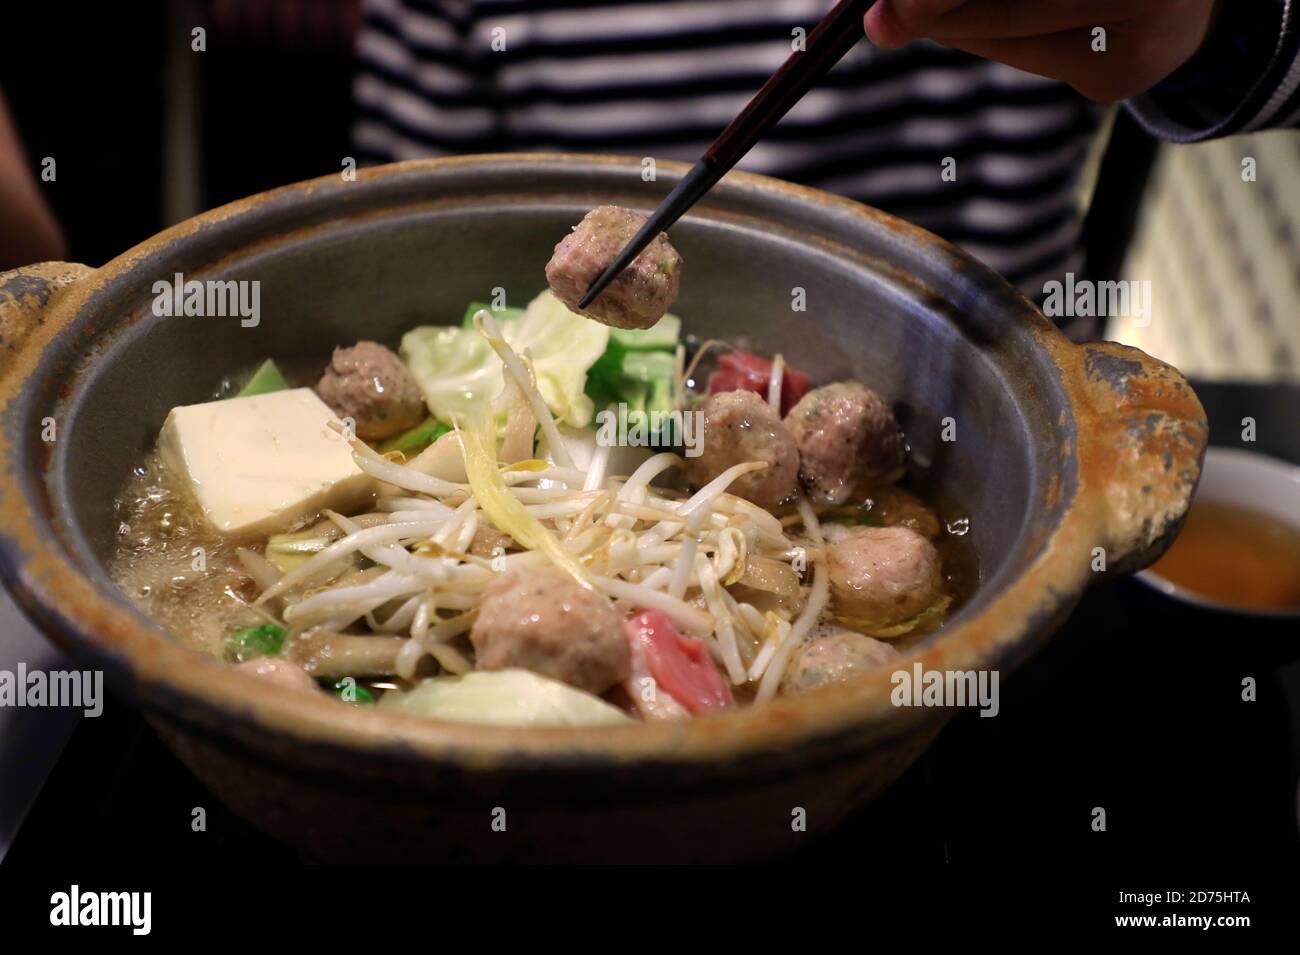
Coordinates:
[1066,458]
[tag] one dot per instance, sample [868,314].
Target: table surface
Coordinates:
[1135,706]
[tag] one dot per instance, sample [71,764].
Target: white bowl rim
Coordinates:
[1287,474]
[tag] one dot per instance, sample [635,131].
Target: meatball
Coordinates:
[883,575]
[847,435]
[834,657]
[282,673]
[739,426]
[641,293]
[543,620]
[370,385]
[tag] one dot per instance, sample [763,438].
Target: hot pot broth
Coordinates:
[678,617]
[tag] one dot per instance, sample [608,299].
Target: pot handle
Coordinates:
[1142,438]
[25,294]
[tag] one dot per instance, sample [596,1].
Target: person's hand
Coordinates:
[1145,40]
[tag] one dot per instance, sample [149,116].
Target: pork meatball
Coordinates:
[640,294]
[883,575]
[543,620]
[833,657]
[370,385]
[847,436]
[739,426]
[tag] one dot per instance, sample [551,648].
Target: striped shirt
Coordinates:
[661,78]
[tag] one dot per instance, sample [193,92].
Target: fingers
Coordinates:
[1067,56]
[1141,41]
[1009,19]
[886,28]
[882,29]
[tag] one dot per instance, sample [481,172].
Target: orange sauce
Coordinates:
[1235,556]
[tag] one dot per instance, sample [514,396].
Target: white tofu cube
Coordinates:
[259,464]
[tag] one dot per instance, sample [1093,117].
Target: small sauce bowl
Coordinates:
[1244,525]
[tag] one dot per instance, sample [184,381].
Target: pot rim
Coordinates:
[1128,412]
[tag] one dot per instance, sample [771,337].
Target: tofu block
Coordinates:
[259,464]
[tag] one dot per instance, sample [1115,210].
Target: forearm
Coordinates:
[28,230]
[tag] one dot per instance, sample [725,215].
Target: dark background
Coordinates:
[271,108]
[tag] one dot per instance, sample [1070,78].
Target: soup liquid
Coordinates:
[1235,556]
[160,540]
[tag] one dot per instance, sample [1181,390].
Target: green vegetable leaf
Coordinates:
[348,690]
[266,379]
[641,380]
[853,516]
[423,434]
[263,641]
[457,370]
[648,367]
[605,385]
[662,336]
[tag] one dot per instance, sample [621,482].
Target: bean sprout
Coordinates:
[774,383]
[643,547]
[807,619]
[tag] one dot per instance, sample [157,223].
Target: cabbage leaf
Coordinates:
[457,370]
[504,698]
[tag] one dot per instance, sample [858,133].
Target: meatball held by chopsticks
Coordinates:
[640,295]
